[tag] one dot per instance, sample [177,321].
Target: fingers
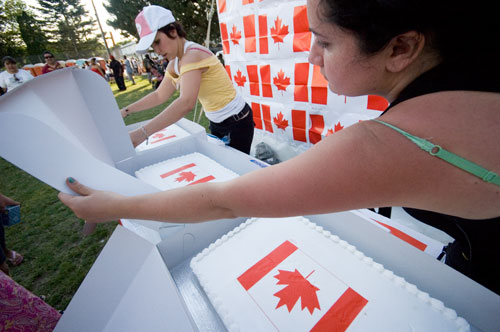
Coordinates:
[77,187]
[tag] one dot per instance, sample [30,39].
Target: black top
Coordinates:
[476,250]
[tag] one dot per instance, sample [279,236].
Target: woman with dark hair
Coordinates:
[434,149]
[96,68]
[197,73]
[51,63]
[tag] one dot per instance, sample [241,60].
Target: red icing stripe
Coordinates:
[163,139]
[205,179]
[266,265]
[342,313]
[177,170]
[405,237]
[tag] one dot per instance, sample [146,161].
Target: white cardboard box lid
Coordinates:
[128,289]
[48,129]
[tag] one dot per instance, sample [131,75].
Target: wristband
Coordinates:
[126,112]
[145,134]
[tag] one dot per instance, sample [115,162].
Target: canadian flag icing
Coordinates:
[325,300]
[167,135]
[289,274]
[182,171]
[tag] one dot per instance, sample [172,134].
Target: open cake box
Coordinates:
[67,123]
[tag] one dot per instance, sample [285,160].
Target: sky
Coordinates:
[103,17]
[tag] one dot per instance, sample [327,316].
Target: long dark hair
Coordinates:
[169,28]
[456,30]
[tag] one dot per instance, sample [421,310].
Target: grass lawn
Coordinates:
[56,254]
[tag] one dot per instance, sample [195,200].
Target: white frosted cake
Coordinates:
[167,135]
[289,274]
[182,171]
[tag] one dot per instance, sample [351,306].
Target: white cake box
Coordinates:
[67,122]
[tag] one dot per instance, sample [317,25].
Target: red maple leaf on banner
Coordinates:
[338,127]
[157,135]
[188,176]
[297,286]
[280,121]
[240,79]
[279,32]
[235,36]
[329,132]
[281,81]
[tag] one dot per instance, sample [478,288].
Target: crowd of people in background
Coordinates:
[112,70]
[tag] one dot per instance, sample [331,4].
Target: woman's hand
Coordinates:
[6,201]
[137,136]
[93,205]
[124,112]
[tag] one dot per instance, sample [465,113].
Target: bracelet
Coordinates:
[126,112]
[145,134]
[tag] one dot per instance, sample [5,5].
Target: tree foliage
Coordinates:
[69,28]
[31,33]
[11,42]
[191,14]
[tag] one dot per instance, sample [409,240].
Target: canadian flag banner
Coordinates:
[266,45]
[165,136]
[326,302]
[183,171]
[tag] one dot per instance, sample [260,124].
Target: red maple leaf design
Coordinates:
[280,121]
[279,32]
[188,176]
[235,36]
[281,81]
[338,127]
[297,286]
[240,79]
[157,135]
[329,132]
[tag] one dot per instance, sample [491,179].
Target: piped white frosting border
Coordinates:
[461,324]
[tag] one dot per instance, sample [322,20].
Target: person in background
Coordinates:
[135,66]
[129,70]
[22,311]
[96,68]
[51,63]
[12,77]
[148,64]
[197,74]
[435,149]
[117,69]
[7,255]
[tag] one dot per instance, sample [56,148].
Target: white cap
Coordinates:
[149,20]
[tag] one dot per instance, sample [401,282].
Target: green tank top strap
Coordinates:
[455,160]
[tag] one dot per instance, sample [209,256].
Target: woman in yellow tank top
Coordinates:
[197,74]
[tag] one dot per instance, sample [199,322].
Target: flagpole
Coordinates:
[100,27]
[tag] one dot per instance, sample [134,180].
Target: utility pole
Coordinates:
[210,13]
[100,27]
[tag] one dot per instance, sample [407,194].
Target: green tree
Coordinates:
[11,42]
[31,33]
[123,15]
[192,15]
[69,27]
